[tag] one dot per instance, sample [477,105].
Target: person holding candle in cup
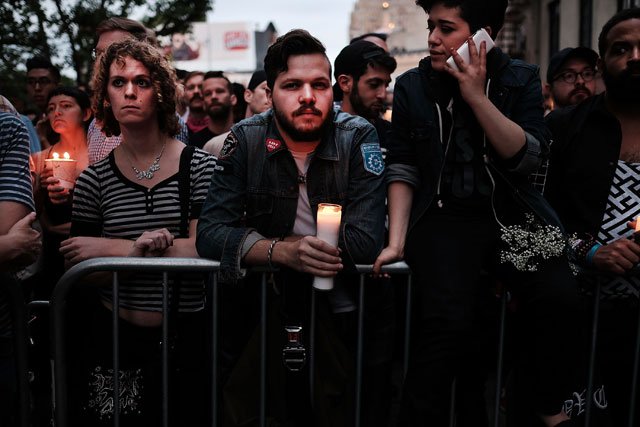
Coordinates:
[56,169]
[463,141]
[265,205]
[142,200]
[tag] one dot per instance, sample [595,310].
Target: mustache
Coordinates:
[196,96]
[306,109]
[581,89]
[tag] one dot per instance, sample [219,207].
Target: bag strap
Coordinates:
[184,188]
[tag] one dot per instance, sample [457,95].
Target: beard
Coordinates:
[370,113]
[220,112]
[623,88]
[307,135]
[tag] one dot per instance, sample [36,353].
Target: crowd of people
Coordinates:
[484,179]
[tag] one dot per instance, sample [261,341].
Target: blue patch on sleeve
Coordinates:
[372,158]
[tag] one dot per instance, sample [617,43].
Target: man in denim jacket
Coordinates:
[273,171]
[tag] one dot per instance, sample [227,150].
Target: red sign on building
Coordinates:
[236,40]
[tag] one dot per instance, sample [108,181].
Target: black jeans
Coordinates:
[447,255]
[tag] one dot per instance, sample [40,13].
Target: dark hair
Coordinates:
[295,42]
[163,79]
[477,13]
[82,99]
[218,75]
[42,62]
[381,36]
[623,15]
[135,28]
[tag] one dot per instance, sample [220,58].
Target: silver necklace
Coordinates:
[155,166]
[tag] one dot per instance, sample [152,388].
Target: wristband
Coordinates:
[270,253]
[591,253]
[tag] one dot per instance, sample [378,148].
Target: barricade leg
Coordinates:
[501,340]
[116,351]
[634,378]
[263,350]
[214,350]
[592,353]
[407,329]
[360,353]
[165,348]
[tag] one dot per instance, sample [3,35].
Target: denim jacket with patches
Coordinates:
[254,190]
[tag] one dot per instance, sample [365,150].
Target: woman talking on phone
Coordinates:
[462,146]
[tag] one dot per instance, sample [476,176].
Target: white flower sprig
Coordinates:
[528,243]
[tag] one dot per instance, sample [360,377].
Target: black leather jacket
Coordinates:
[417,151]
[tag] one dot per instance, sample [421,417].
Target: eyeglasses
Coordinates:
[571,76]
[42,81]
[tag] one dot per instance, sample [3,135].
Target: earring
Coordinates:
[106,104]
[159,98]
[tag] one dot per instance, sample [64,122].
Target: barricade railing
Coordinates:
[18,309]
[172,265]
[599,277]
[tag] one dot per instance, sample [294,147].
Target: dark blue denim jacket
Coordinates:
[255,189]
[416,152]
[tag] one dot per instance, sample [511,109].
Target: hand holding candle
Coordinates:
[328,229]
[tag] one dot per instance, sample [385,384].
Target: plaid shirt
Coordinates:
[100,145]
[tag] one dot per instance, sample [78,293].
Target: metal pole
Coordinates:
[263,351]
[634,377]
[503,317]
[312,348]
[214,351]
[360,352]
[592,355]
[165,348]
[407,329]
[115,317]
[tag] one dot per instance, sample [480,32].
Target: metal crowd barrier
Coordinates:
[593,346]
[20,339]
[170,265]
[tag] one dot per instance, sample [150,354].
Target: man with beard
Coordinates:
[363,73]
[571,76]
[273,171]
[594,183]
[217,92]
[196,117]
[255,97]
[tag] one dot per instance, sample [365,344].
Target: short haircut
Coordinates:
[81,97]
[623,15]
[219,75]
[163,80]
[295,42]
[135,28]
[381,36]
[477,13]
[42,62]
[356,57]
[192,74]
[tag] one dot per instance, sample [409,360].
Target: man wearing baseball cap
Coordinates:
[571,76]
[363,73]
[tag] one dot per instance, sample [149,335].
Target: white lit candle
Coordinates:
[64,169]
[328,229]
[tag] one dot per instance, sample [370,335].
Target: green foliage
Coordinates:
[65,31]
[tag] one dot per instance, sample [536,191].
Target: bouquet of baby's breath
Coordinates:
[525,245]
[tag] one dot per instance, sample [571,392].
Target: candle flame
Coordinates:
[55,155]
[327,208]
[66,155]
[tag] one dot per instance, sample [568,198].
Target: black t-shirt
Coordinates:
[198,139]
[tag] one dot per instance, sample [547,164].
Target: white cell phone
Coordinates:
[478,37]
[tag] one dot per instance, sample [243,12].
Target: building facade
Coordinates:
[533,31]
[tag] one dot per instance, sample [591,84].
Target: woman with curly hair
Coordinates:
[143,200]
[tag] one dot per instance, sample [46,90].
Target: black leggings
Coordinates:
[447,256]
